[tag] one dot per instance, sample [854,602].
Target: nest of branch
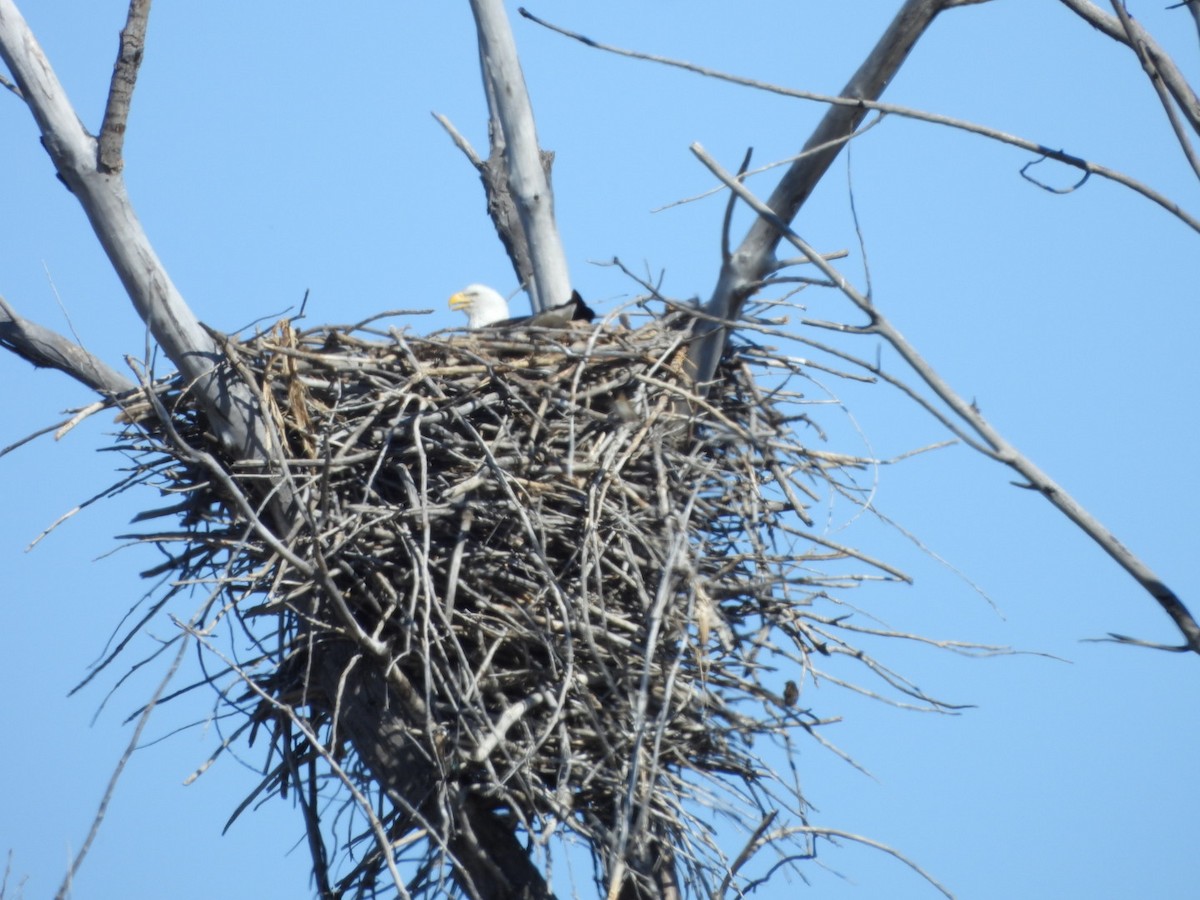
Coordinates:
[525,584]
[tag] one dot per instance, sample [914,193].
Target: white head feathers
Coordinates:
[482,305]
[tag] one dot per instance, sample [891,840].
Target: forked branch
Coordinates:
[231,409]
[1135,36]
[998,447]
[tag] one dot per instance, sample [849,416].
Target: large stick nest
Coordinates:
[531,575]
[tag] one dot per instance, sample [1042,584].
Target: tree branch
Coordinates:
[741,273]
[44,348]
[120,91]
[1086,166]
[231,409]
[1001,449]
[502,210]
[1156,81]
[1172,77]
[509,102]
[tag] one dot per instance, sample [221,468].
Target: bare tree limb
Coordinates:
[44,348]
[1156,81]
[1086,166]
[501,207]
[1001,449]
[120,91]
[753,258]
[231,409]
[509,99]
[1173,78]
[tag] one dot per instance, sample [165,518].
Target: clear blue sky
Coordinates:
[287,148]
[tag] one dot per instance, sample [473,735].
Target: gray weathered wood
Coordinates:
[46,348]
[753,259]
[230,406]
[527,181]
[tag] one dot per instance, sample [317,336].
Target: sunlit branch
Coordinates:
[1001,449]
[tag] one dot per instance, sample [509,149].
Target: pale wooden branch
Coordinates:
[502,209]
[527,181]
[44,348]
[120,91]
[232,412]
[1000,448]
[753,258]
[1174,80]
[1156,81]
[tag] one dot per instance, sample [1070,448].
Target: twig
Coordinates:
[64,890]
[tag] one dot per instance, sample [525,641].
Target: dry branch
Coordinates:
[525,168]
[75,154]
[42,347]
[120,91]
[1135,36]
[996,445]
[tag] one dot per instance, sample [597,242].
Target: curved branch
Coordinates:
[906,112]
[1001,449]
[1174,79]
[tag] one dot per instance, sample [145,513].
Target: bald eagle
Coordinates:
[485,308]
